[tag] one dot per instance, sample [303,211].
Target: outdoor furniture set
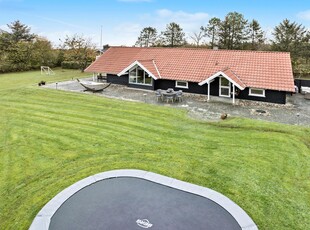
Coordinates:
[169,95]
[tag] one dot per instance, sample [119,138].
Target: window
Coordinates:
[181,84]
[224,82]
[139,76]
[257,92]
[224,87]
[133,76]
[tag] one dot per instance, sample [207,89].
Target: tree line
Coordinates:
[22,50]
[236,32]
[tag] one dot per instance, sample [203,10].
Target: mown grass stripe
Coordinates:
[50,139]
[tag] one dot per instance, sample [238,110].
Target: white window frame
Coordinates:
[256,95]
[181,86]
[224,87]
[136,83]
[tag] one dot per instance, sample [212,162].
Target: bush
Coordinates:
[70,65]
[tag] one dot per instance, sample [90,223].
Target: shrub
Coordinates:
[70,65]
[73,65]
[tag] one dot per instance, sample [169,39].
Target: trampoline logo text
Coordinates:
[144,223]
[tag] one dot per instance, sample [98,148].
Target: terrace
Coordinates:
[295,112]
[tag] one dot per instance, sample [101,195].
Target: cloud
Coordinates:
[4,27]
[189,22]
[129,31]
[182,16]
[56,37]
[304,15]
[59,22]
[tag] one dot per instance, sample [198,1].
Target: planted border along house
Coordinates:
[251,75]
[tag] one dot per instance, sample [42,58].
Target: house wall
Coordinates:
[214,87]
[271,96]
[123,80]
[137,86]
[193,87]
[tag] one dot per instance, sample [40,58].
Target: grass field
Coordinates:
[50,139]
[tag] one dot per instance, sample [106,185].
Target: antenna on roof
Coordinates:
[101,37]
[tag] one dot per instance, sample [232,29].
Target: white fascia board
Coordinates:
[156,69]
[208,80]
[133,65]
[127,68]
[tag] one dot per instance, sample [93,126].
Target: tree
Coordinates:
[233,31]
[305,50]
[42,53]
[173,36]
[289,36]
[79,50]
[147,37]
[256,35]
[197,37]
[294,38]
[212,31]
[5,41]
[21,50]
[20,32]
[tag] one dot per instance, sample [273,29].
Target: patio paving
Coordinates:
[296,111]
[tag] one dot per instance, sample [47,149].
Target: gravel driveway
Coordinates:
[296,111]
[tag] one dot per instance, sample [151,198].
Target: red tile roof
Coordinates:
[259,69]
[151,66]
[232,75]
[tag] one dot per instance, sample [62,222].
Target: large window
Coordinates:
[224,87]
[257,92]
[139,76]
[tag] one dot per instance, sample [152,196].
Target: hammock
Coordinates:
[93,86]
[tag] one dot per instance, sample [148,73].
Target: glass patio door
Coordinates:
[224,87]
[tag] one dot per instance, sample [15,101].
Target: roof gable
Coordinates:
[148,66]
[229,75]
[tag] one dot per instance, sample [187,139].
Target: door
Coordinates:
[224,87]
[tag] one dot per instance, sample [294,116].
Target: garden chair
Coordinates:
[179,96]
[169,98]
[158,95]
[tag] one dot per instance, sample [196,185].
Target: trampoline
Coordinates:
[136,199]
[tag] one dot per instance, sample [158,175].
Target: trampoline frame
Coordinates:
[43,218]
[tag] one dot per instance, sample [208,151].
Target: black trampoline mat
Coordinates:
[124,202]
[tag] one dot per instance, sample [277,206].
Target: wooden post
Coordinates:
[93,76]
[208,91]
[233,93]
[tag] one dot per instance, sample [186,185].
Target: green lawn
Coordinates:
[50,139]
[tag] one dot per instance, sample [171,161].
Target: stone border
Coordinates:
[43,218]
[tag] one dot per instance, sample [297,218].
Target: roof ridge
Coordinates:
[145,59]
[201,48]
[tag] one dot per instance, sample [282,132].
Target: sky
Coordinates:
[122,20]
